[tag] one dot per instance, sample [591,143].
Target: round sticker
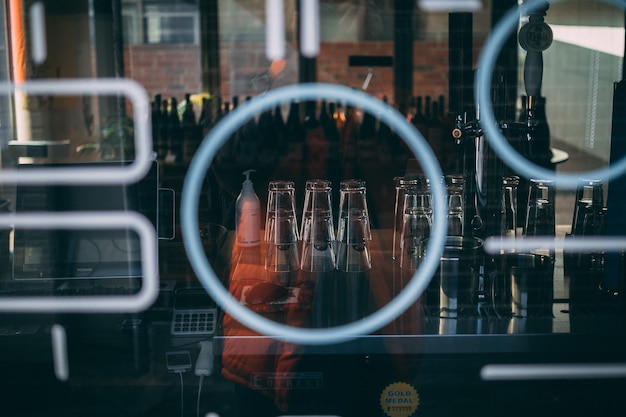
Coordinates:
[399,400]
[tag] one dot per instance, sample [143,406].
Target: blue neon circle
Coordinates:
[221,133]
[499,143]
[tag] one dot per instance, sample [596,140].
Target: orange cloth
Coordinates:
[250,359]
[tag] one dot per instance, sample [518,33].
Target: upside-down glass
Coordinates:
[509,206]
[317,262]
[456,204]
[281,231]
[353,251]
[402,185]
[317,231]
[416,225]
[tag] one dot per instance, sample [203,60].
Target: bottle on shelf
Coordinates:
[419,118]
[384,135]
[268,138]
[175,132]
[411,110]
[164,130]
[349,133]
[249,148]
[205,121]
[190,132]
[327,119]
[280,129]
[434,130]
[157,145]
[315,143]
[294,131]
[219,109]
[225,154]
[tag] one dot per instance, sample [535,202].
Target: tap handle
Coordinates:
[533,73]
[535,37]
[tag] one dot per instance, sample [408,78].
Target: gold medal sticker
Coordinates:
[399,400]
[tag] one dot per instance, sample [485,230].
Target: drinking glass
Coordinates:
[317,262]
[540,220]
[281,231]
[402,184]
[417,222]
[317,231]
[509,206]
[540,216]
[589,201]
[353,232]
[418,188]
[456,205]
[353,252]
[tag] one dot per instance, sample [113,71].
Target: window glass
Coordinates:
[156,22]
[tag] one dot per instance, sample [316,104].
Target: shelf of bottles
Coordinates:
[303,141]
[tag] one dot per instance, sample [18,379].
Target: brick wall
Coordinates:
[173,70]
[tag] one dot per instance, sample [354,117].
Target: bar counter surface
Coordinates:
[442,359]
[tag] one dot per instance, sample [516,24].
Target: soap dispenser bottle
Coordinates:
[248,214]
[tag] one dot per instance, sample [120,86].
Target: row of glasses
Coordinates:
[320,250]
[413,216]
[337,265]
[413,207]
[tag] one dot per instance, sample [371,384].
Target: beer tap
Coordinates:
[480,164]
[535,37]
[482,171]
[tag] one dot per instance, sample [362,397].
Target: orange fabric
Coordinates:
[249,358]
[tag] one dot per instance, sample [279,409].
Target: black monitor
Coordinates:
[69,254]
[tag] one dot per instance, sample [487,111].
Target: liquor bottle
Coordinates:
[367,129]
[419,119]
[268,140]
[316,144]
[219,111]
[310,117]
[330,123]
[205,121]
[295,131]
[157,145]
[190,133]
[281,130]
[235,140]
[442,107]
[410,113]
[324,117]
[189,114]
[175,132]
[164,130]
[367,149]
[339,116]
[248,141]
[427,114]
[350,132]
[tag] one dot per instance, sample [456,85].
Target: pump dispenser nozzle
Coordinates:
[247,182]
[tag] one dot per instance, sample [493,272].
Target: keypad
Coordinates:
[193,322]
